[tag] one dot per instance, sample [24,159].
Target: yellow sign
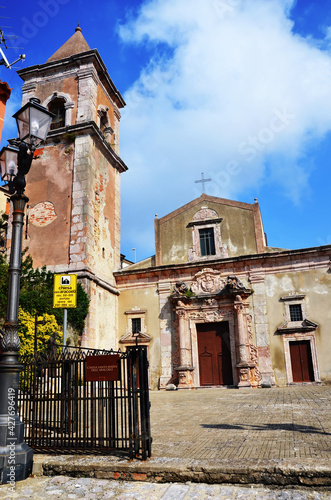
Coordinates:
[65,291]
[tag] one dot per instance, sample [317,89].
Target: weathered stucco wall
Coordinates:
[100,327]
[237,230]
[316,286]
[47,229]
[145,298]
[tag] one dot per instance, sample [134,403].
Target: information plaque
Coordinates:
[103,367]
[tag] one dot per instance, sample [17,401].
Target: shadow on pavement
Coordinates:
[268,427]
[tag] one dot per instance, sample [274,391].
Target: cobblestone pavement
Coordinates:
[279,423]
[64,488]
[272,436]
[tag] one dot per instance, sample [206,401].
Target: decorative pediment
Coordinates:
[308,322]
[130,338]
[304,326]
[292,296]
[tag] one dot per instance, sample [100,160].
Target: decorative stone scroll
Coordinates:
[180,288]
[207,281]
[205,213]
[234,284]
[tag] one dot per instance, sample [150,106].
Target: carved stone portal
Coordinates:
[228,303]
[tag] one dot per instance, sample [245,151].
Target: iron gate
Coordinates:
[65,413]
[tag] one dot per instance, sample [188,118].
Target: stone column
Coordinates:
[182,340]
[185,356]
[166,334]
[242,336]
[262,329]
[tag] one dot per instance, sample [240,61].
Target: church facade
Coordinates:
[218,307]
[215,305]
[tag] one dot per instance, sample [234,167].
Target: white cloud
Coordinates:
[236,87]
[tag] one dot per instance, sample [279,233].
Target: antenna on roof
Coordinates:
[4,59]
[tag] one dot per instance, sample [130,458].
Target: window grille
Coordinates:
[296,312]
[207,241]
[136,325]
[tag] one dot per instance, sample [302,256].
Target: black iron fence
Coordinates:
[64,411]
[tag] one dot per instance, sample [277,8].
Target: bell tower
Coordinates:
[73,216]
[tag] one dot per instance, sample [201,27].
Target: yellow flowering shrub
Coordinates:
[45,331]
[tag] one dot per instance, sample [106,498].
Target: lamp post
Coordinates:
[16,457]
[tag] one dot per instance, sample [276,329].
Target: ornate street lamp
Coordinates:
[16,457]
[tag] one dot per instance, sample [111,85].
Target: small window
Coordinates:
[136,325]
[207,241]
[56,106]
[296,312]
[103,121]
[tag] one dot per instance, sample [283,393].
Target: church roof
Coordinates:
[75,45]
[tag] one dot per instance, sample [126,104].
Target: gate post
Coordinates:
[144,403]
[133,403]
[139,435]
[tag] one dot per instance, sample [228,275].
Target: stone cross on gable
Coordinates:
[202,181]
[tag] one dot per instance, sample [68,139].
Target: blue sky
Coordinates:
[237,89]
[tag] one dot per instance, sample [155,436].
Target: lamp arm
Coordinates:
[24,160]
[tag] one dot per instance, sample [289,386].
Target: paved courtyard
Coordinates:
[279,423]
[203,439]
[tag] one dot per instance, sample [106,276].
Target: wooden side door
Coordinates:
[214,354]
[302,365]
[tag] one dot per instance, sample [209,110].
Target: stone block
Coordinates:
[76,186]
[78,194]
[77,210]
[77,202]
[260,311]
[165,339]
[263,340]
[76,258]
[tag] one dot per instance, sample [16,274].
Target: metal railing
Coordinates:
[63,412]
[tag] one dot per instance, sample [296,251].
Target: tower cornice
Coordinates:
[91,128]
[75,61]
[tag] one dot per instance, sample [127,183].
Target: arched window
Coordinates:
[103,121]
[56,106]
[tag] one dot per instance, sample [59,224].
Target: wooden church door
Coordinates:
[214,354]
[302,366]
